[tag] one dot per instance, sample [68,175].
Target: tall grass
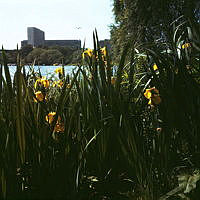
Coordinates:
[114,144]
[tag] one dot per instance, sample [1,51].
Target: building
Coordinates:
[24,43]
[106,43]
[71,43]
[36,38]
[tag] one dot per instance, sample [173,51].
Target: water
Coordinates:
[45,70]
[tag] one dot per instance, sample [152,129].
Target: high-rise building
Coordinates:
[35,36]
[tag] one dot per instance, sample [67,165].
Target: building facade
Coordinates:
[75,44]
[106,43]
[36,38]
[24,43]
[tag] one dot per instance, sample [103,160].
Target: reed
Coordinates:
[98,134]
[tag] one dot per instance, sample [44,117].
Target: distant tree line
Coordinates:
[45,55]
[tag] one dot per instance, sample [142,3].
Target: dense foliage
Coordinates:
[45,55]
[149,21]
[106,132]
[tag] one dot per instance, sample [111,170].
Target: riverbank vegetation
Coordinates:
[125,128]
[45,55]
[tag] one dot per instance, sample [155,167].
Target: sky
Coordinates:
[59,19]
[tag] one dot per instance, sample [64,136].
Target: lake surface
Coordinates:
[45,70]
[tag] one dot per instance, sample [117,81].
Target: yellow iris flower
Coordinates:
[153,95]
[59,70]
[88,52]
[155,67]
[39,96]
[59,127]
[50,117]
[148,93]
[186,45]
[42,81]
[103,50]
[45,83]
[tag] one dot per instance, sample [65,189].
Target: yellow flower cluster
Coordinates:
[153,95]
[41,82]
[90,53]
[59,127]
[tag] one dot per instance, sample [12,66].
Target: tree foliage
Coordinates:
[24,51]
[50,55]
[147,21]
[35,55]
